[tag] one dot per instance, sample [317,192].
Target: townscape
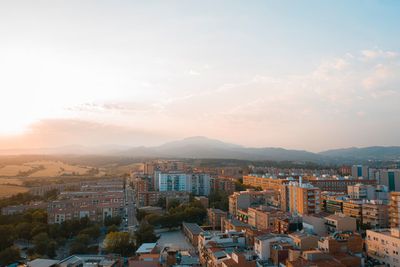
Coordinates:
[170,213]
[199,133]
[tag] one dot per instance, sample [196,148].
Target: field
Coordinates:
[10,181]
[46,168]
[14,170]
[9,190]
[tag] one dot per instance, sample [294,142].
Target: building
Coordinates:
[15,209]
[263,244]
[332,204]
[390,178]
[214,217]
[332,185]
[288,224]
[245,199]
[375,214]
[353,208]
[304,241]
[345,170]
[315,223]
[361,191]
[203,200]
[394,209]
[359,171]
[232,224]
[196,183]
[341,242]
[340,222]
[383,245]
[223,184]
[147,248]
[90,260]
[304,198]
[318,258]
[264,217]
[192,232]
[95,205]
[280,253]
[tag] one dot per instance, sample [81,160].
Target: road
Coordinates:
[130,221]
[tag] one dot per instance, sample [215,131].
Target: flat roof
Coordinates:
[194,228]
[42,263]
[146,248]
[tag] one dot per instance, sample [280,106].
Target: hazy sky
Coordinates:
[296,74]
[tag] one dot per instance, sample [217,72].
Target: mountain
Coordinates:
[365,153]
[202,147]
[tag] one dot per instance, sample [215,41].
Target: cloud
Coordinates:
[374,54]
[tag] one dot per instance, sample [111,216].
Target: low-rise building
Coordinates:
[340,222]
[192,232]
[304,241]
[263,244]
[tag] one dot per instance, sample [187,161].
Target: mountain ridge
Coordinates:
[204,147]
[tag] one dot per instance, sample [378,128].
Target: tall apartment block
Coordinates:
[304,198]
[390,178]
[394,209]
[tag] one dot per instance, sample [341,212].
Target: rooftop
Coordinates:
[146,248]
[194,228]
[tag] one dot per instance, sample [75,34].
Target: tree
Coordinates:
[120,243]
[23,230]
[93,231]
[39,216]
[112,228]
[41,241]
[108,221]
[145,234]
[80,244]
[173,203]
[7,236]
[9,255]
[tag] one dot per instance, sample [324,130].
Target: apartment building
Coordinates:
[353,208]
[304,198]
[214,217]
[394,209]
[360,171]
[391,179]
[384,246]
[361,191]
[245,199]
[264,217]
[223,184]
[375,214]
[332,185]
[196,183]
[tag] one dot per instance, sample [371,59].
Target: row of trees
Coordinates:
[31,227]
[125,244]
[176,214]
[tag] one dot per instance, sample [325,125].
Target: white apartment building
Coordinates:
[196,183]
[384,246]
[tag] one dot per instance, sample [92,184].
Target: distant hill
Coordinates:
[365,153]
[202,147]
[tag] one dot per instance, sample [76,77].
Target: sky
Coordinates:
[311,75]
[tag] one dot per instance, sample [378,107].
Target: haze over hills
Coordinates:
[203,147]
